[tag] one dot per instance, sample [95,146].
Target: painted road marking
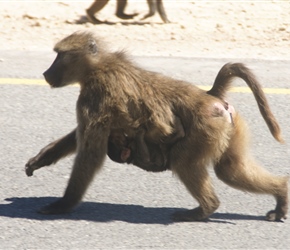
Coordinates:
[19,81]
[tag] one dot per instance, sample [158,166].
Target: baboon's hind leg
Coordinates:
[238,169]
[193,173]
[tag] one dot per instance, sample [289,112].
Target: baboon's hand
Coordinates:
[44,158]
[32,165]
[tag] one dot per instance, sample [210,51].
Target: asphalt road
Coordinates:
[125,207]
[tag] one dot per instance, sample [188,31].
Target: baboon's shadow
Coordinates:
[25,207]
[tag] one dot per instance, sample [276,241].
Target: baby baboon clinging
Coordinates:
[148,156]
[116,95]
[97,5]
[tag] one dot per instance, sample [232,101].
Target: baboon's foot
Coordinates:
[280,212]
[196,214]
[147,15]
[126,16]
[275,215]
[165,20]
[59,207]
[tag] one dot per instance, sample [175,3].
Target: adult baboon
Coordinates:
[97,5]
[116,95]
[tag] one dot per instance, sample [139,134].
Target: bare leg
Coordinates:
[161,11]
[152,8]
[152,4]
[52,153]
[121,5]
[94,8]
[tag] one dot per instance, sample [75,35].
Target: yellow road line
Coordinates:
[18,81]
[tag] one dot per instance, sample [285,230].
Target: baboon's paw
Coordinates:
[44,158]
[28,170]
[273,215]
[31,165]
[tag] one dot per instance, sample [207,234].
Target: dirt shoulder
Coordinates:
[237,29]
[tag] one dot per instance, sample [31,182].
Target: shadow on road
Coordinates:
[26,207]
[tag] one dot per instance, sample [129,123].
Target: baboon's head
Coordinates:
[75,55]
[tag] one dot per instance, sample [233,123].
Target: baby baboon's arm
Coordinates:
[151,159]
[178,132]
[144,153]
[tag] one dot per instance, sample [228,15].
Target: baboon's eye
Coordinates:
[68,57]
[60,55]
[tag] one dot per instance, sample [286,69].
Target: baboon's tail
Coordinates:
[222,84]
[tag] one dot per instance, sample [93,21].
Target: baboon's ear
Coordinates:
[93,47]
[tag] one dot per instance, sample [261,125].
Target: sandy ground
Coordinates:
[231,29]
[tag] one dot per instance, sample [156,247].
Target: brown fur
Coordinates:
[97,5]
[152,156]
[148,156]
[117,95]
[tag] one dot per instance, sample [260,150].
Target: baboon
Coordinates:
[97,5]
[148,156]
[117,95]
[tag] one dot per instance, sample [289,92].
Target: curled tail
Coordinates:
[222,84]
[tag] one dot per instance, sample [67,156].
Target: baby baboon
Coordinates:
[115,94]
[146,155]
[97,5]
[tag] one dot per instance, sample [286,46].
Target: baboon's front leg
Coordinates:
[90,157]
[52,153]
